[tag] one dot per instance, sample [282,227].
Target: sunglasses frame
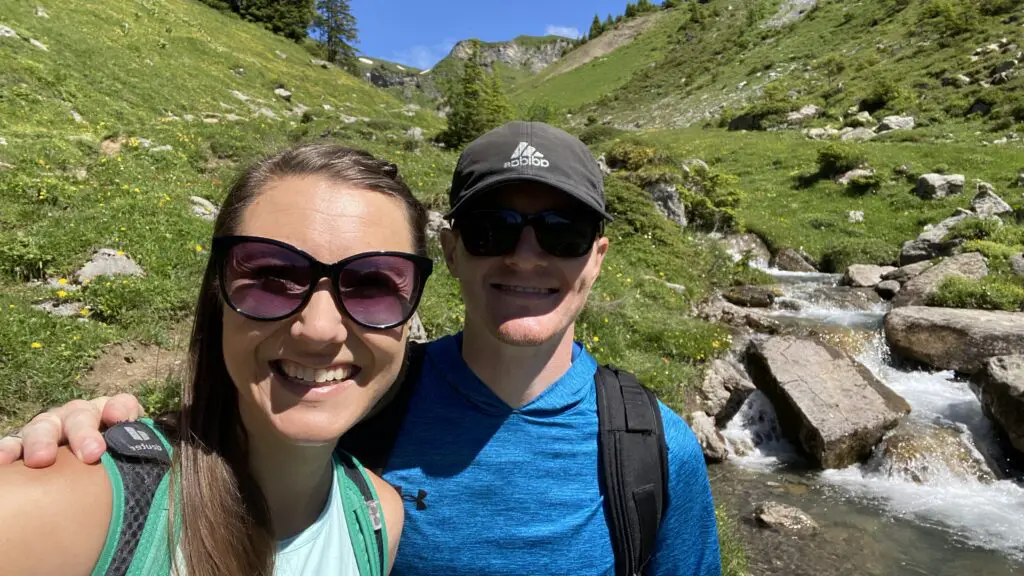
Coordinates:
[319,270]
[528,220]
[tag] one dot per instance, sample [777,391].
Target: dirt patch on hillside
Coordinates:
[604,44]
[124,367]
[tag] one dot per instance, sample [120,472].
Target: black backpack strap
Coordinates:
[634,466]
[371,440]
[142,460]
[376,512]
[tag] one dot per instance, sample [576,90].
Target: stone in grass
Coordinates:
[38,44]
[41,12]
[782,518]
[1017,265]
[283,94]
[62,309]
[7,32]
[108,262]
[3,141]
[203,208]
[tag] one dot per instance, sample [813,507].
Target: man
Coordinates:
[497,452]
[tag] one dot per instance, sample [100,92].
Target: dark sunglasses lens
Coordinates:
[487,233]
[265,281]
[566,236]
[379,291]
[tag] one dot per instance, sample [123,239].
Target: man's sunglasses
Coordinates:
[562,234]
[265,279]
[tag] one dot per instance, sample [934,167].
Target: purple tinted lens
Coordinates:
[379,290]
[265,281]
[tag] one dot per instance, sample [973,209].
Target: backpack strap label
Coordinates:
[136,440]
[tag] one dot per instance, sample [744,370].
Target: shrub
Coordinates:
[1009,235]
[712,201]
[592,135]
[973,229]
[841,253]
[630,155]
[22,259]
[992,250]
[990,293]
[838,158]
[866,184]
[885,93]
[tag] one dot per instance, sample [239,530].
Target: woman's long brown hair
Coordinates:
[225,527]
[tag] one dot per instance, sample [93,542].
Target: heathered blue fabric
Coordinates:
[517,491]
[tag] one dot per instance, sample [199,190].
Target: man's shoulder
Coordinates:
[681,441]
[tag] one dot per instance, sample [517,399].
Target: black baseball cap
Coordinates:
[528,152]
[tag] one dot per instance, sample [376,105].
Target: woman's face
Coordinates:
[330,221]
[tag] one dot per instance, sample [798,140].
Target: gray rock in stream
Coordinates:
[792,261]
[1001,386]
[748,245]
[785,519]
[888,289]
[827,403]
[865,275]
[724,389]
[752,296]
[905,273]
[917,292]
[954,338]
[711,441]
[924,453]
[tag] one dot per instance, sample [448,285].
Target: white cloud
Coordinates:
[567,31]
[423,56]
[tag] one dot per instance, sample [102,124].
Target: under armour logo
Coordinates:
[419,498]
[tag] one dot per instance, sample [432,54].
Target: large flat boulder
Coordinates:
[1001,386]
[930,244]
[827,403]
[865,275]
[954,338]
[933,186]
[917,291]
[791,261]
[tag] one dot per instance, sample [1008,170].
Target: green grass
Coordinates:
[789,205]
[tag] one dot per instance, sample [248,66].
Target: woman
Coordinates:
[287,354]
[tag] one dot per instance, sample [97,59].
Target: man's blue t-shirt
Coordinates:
[492,490]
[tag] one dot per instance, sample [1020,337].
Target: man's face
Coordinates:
[526,297]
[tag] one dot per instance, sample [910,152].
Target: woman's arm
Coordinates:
[394,514]
[53,521]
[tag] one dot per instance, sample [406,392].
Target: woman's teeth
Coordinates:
[314,375]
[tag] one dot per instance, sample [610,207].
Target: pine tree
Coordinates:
[336,27]
[467,99]
[497,110]
[595,28]
[608,23]
[630,10]
[289,18]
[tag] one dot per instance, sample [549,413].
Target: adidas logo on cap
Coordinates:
[526,155]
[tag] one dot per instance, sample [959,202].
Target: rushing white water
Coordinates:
[988,514]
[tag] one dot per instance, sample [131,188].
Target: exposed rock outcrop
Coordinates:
[724,389]
[791,261]
[865,275]
[954,338]
[534,57]
[916,292]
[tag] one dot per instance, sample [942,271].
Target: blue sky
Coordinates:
[420,32]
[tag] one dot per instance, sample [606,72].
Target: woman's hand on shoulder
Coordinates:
[394,514]
[77,423]
[53,521]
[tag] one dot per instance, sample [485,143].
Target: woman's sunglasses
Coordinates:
[562,234]
[265,279]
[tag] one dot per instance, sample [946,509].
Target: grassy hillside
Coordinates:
[604,74]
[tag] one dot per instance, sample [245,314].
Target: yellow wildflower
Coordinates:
[597,338]
[199,248]
[36,345]
[62,281]
[61,293]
